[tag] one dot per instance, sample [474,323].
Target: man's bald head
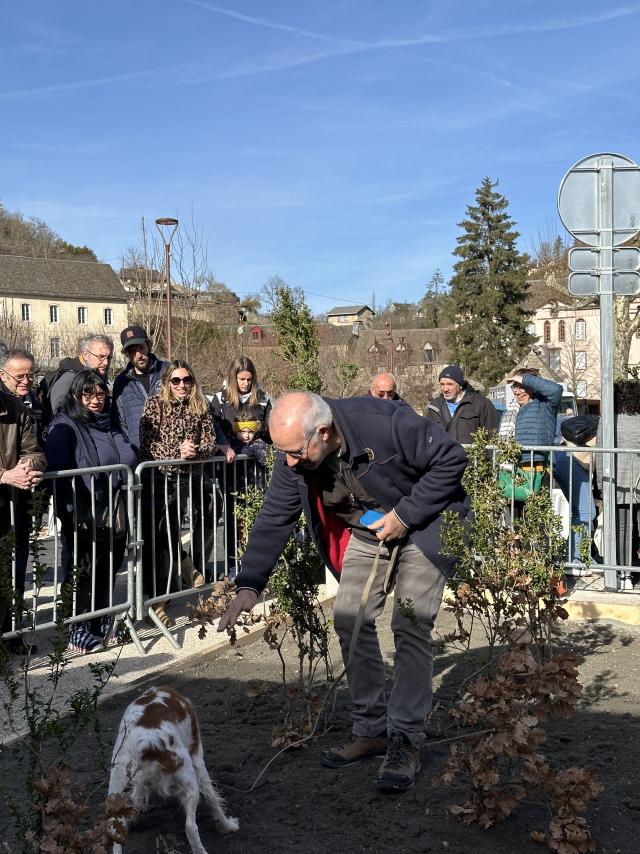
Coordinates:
[384,385]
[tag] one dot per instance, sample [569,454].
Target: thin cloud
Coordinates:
[193,74]
[259,22]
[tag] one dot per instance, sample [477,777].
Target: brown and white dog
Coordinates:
[158,749]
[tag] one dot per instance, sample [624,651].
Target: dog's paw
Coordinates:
[228,825]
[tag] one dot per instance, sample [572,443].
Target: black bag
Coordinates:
[579,429]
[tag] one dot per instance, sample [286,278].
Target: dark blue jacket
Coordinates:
[128,398]
[72,444]
[403,461]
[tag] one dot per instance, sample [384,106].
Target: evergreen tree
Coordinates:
[488,289]
[297,335]
[435,304]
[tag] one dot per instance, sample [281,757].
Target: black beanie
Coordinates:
[453,372]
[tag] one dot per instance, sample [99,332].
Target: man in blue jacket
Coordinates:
[340,458]
[139,379]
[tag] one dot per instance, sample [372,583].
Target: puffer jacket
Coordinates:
[536,420]
[129,396]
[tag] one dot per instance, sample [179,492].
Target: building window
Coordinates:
[581,388]
[554,360]
[531,328]
[581,360]
[82,314]
[25,312]
[108,317]
[547,331]
[581,330]
[562,331]
[54,314]
[55,348]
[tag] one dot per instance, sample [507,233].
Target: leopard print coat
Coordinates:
[163,427]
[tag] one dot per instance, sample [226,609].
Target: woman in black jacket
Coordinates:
[241,392]
[81,436]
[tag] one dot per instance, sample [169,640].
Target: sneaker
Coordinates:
[401,764]
[355,749]
[81,640]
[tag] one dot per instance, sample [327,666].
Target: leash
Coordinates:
[366,592]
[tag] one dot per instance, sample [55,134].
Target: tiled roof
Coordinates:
[348,309]
[47,277]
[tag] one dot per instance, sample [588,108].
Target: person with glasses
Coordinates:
[175,424]
[95,352]
[384,386]
[17,376]
[82,436]
[21,465]
[339,459]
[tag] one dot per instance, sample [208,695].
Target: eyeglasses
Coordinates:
[176,381]
[94,395]
[21,378]
[100,358]
[299,455]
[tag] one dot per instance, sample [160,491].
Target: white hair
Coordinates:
[316,414]
[88,340]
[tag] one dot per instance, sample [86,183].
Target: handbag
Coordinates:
[519,484]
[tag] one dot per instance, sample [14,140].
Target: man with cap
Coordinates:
[139,380]
[460,409]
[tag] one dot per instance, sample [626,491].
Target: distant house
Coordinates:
[48,304]
[343,315]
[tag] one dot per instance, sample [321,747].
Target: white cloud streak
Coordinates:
[189,74]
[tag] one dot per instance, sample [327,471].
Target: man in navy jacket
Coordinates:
[340,458]
[139,380]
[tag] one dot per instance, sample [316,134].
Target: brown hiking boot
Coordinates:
[400,766]
[355,749]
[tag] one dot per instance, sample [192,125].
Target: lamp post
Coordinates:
[167,226]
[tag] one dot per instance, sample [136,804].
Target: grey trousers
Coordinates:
[418,581]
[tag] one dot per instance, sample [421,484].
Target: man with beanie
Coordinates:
[460,410]
[139,380]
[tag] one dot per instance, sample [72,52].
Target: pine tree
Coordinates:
[297,335]
[488,289]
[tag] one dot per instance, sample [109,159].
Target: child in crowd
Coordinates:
[246,432]
[246,473]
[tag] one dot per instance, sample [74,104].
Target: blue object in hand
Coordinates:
[370,517]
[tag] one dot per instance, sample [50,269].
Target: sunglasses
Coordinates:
[176,381]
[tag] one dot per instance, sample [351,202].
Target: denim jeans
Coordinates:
[419,587]
[575,484]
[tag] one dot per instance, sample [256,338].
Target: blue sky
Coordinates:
[335,144]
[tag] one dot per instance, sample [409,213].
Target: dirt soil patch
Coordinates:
[302,807]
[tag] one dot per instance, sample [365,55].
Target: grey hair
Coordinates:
[317,414]
[96,337]
[14,353]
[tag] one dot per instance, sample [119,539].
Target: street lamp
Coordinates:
[167,226]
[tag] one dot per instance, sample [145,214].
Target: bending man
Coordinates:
[338,459]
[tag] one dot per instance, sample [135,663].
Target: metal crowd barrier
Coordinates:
[574,475]
[181,521]
[74,553]
[170,552]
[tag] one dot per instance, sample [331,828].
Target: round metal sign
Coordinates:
[579,198]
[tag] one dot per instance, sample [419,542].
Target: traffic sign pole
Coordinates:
[605,216]
[599,203]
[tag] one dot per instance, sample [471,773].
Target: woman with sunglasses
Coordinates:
[91,508]
[175,425]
